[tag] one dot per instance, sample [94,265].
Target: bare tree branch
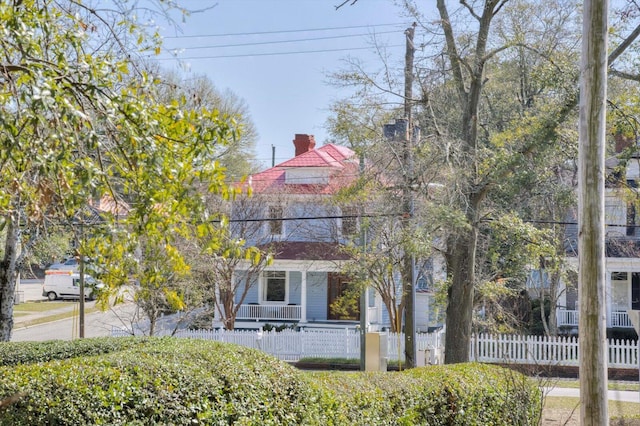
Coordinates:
[625,75]
[470,9]
[624,45]
[345,2]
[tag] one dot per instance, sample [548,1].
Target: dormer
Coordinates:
[310,166]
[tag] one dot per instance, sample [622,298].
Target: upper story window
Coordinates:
[631,219]
[275,286]
[349,221]
[275,225]
[619,276]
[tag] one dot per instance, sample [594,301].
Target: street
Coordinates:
[97,324]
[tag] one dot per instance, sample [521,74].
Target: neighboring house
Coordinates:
[304,230]
[622,219]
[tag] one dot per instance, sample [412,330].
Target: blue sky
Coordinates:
[287,93]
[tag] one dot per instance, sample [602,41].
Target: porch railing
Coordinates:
[270,312]
[567,317]
[570,317]
[620,319]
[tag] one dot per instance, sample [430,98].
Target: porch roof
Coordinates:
[304,250]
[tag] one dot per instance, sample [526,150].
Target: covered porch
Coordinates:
[622,293]
[302,292]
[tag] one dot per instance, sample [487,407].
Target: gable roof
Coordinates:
[338,160]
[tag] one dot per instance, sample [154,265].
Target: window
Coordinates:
[275,226]
[619,276]
[275,286]
[349,221]
[631,219]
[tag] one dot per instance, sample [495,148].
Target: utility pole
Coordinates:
[404,131]
[591,246]
[408,275]
[363,293]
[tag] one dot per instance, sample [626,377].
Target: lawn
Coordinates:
[566,411]
[34,313]
[30,307]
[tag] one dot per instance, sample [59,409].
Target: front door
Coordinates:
[635,290]
[343,301]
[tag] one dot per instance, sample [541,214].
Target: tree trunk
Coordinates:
[8,276]
[229,309]
[591,247]
[460,264]
[554,285]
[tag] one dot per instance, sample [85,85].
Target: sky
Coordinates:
[278,57]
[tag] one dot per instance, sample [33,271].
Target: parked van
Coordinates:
[66,285]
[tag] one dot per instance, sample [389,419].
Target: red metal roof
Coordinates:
[338,160]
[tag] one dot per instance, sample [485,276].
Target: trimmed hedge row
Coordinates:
[462,394]
[180,382]
[15,353]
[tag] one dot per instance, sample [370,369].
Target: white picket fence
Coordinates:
[290,345]
[544,350]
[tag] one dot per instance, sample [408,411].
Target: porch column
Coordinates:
[608,296]
[303,297]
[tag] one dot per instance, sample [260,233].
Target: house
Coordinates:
[622,243]
[293,216]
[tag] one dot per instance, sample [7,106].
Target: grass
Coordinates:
[40,307]
[341,361]
[566,411]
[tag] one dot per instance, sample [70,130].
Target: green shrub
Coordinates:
[179,381]
[14,353]
[163,381]
[463,394]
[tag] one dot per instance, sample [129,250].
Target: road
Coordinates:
[97,324]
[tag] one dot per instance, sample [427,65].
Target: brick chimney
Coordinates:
[304,143]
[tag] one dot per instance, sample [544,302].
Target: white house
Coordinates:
[305,232]
[622,245]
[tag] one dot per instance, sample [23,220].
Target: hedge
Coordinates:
[14,353]
[180,382]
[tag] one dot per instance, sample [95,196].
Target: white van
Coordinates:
[66,285]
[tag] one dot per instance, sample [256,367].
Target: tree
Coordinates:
[489,133]
[80,120]
[226,264]
[540,132]
[238,155]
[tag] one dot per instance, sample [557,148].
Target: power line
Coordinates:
[283,31]
[266,54]
[284,219]
[216,46]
